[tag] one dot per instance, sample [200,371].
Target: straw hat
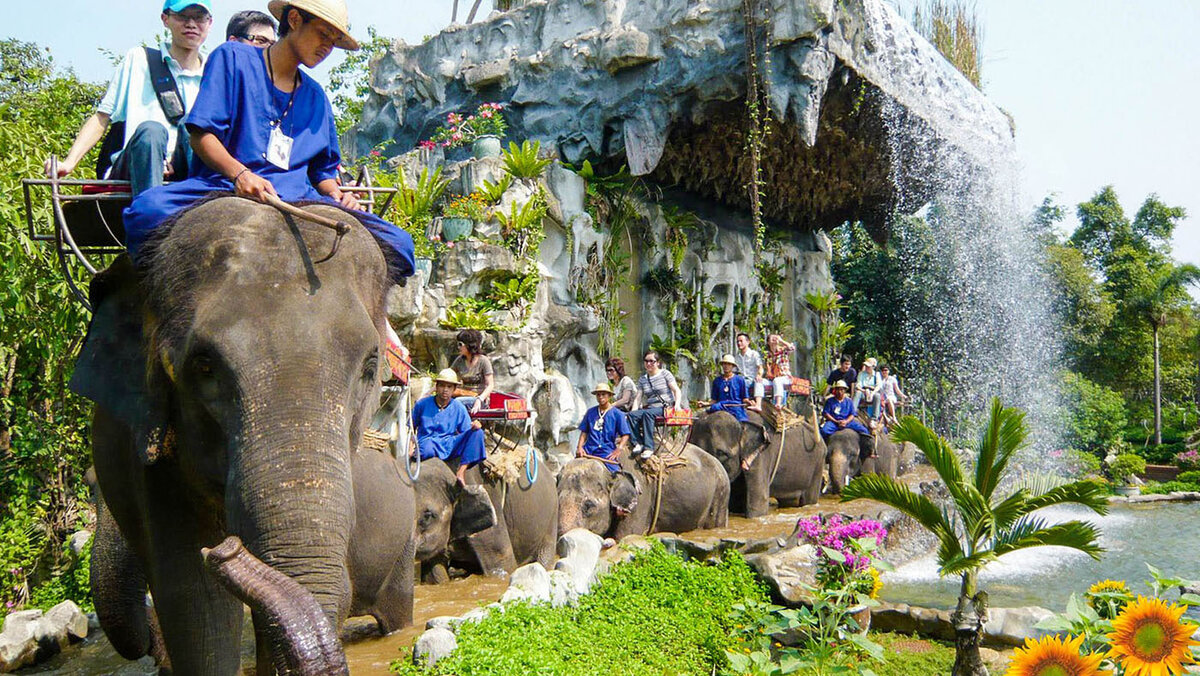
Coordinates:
[447,376]
[870,362]
[332,11]
[602,387]
[840,384]
[728,359]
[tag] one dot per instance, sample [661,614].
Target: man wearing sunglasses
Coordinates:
[152,143]
[251,27]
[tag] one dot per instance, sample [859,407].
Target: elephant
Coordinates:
[233,372]
[793,480]
[446,512]
[694,495]
[848,458]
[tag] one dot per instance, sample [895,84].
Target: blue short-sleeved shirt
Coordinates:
[439,428]
[603,430]
[238,104]
[840,410]
[726,392]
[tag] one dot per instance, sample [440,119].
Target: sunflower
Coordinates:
[1053,656]
[876,583]
[1150,640]
[1108,597]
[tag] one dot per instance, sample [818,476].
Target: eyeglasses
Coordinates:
[194,17]
[649,361]
[260,40]
[610,370]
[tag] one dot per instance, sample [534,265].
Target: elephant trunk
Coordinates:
[291,500]
[118,589]
[302,640]
[838,471]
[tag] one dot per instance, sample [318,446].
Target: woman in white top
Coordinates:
[624,389]
[889,392]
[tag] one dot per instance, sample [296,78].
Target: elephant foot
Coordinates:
[785,503]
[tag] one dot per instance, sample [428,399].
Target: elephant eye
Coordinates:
[589,506]
[426,519]
[203,365]
[371,368]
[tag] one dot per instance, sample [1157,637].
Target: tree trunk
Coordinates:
[474,8]
[8,369]
[1157,393]
[454,12]
[968,620]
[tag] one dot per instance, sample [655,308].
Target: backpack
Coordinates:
[169,99]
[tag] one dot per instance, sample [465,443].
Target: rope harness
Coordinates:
[656,468]
[506,466]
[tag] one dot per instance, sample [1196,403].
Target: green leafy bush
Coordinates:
[522,161]
[522,229]
[1192,477]
[1096,414]
[492,192]
[469,313]
[514,291]
[1125,466]
[654,615]
[416,203]
[1171,487]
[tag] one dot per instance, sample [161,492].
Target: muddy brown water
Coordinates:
[372,654]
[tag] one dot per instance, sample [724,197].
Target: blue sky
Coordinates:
[1102,91]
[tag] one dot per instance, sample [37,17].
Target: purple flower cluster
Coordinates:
[837,533]
[1188,460]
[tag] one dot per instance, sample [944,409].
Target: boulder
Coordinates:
[18,640]
[626,549]
[786,571]
[68,619]
[78,541]
[448,622]
[472,266]
[562,588]
[578,554]
[433,646]
[530,583]
[1011,626]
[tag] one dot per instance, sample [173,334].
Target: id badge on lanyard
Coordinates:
[279,148]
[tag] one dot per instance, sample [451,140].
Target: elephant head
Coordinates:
[847,449]
[591,497]
[447,511]
[243,374]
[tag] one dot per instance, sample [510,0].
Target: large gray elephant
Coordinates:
[750,453]
[233,377]
[446,512]
[850,454]
[694,495]
[526,527]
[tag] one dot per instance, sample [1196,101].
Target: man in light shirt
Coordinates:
[155,144]
[750,366]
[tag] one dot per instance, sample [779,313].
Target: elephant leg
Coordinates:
[394,604]
[758,489]
[118,589]
[789,501]
[435,572]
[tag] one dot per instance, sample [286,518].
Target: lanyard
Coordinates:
[291,98]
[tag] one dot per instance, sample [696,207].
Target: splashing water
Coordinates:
[977,313]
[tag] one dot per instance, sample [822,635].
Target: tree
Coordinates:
[350,80]
[1164,291]
[978,526]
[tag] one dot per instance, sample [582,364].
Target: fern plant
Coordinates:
[522,161]
[416,202]
[492,192]
[469,313]
[514,292]
[977,526]
[522,228]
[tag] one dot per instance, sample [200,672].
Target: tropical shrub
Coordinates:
[522,161]
[487,120]
[1125,466]
[493,192]
[514,291]
[978,526]
[469,313]
[656,614]
[1188,460]
[522,229]
[416,203]
[1096,414]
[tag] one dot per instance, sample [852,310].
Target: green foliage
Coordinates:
[953,28]
[469,313]
[1125,466]
[349,81]
[1192,477]
[514,291]
[72,583]
[471,207]
[487,120]
[1096,414]
[832,334]
[522,161]
[492,192]
[43,426]
[522,228]
[663,281]
[656,614]
[1171,487]
[416,203]
[671,350]
[1084,310]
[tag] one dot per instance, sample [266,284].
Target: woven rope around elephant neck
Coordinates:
[376,441]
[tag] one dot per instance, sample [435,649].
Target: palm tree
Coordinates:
[1162,293]
[977,526]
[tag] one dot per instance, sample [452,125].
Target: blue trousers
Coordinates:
[468,450]
[641,422]
[830,427]
[152,208]
[141,161]
[612,466]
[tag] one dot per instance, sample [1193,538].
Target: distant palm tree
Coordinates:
[1163,292]
[976,526]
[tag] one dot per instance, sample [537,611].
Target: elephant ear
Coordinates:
[473,512]
[623,492]
[113,369]
[754,437]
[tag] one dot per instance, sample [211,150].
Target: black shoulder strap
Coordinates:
[165,88]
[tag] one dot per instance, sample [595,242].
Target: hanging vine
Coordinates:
[758,62]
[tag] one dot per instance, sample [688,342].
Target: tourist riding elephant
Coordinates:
[849,458]
[233,375]
[694,495]
[750,454]
[446,512]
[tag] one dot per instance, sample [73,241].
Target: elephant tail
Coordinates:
[303,642]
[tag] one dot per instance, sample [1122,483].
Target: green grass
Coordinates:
[1169,487]
[654,615]
[909,656]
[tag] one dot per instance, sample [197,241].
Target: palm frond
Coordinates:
[895,494]
[1003,435]
[935,448]
[976,513]
[962,564]
[1006,512]
[1086,493]
[1033,532]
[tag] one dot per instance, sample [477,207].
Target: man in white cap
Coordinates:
[262,127]
[839,412]
[148,140]
[729,391]
[445,429]
[604,431]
